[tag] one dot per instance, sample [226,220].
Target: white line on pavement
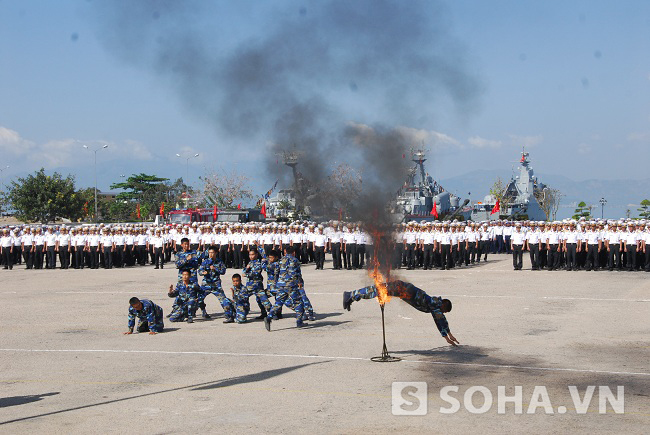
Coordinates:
[107,293]
[345,358]
[446,295]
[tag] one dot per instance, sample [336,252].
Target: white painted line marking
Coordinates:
[446,295]
[550,297]
[109,293]
[345,358]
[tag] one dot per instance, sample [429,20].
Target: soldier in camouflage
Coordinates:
[272,272]
[211,270]
[289,283]
[187,259]
[150,316]
[185,296]
[255,283]
[415,297]
[240,296]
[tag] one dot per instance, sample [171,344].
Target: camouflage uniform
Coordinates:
[150,317]
[288,285]
[272,273]
[212,284]
[185,302]
[413,296]
[309,310]
[255,283]
[242,306]
[189,260]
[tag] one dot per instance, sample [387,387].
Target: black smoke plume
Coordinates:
[332,80]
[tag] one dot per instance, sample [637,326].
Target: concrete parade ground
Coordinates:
[67,368]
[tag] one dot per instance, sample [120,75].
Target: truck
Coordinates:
[190,216]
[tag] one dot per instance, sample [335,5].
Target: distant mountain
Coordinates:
[621,195]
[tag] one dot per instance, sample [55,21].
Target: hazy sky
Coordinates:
[568,80]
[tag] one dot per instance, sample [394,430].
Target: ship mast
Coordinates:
[418,156]
[291,158]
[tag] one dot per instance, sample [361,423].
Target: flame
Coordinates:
[378,276]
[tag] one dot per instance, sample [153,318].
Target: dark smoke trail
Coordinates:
[330,79]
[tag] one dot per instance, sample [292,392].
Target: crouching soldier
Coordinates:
[186,294]
[240,296]
[150,316]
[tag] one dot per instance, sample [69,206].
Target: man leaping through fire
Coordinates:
[413,296]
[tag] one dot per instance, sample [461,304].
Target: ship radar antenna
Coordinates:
[291,159]
[418,155]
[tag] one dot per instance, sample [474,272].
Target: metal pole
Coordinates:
[96,186]
[385,356]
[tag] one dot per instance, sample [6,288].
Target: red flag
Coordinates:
[434,210]
[263,211]
[523,157]
[239,206]
[162,209]
[496,207]
[340,214]
[214,213]
[137,210]
[403,156]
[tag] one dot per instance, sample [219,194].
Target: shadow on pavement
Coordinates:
[319,324]
[326,315]
[21,400]
[253,377]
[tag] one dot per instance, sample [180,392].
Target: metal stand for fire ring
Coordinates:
[385,357]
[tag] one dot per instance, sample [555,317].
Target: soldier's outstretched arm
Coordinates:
[442,325]
[451,340]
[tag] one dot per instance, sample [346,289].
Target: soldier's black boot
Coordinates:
[347,300]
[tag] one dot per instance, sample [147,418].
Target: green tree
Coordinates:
[644,210]
[138,186]
[583,210]
[43,198]
[122,211]
[150,192]
[103,206]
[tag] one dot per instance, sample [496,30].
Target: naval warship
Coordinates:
[416,198]
[520,192]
